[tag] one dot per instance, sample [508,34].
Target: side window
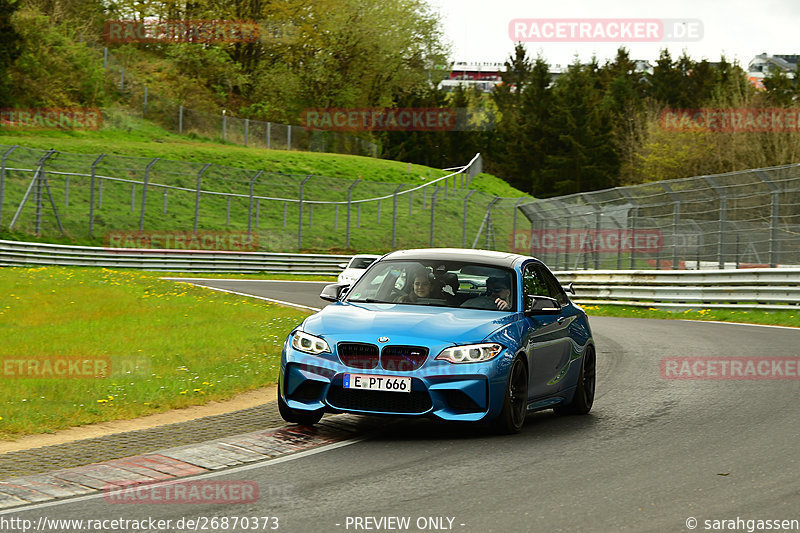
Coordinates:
[532,282]
[554,288]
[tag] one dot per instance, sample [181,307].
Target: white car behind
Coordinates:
[357,266]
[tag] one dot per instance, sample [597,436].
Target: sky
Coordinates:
[478,30]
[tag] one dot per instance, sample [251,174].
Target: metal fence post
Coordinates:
[464,221]
[433,211]
[773,231]
[197,197]
[300,223]
[349,202]
[773,223]
[250,206]
[144,191]
[37,181]
[227,210]
[394,215]
[246,130]
[164,207]
[336,216]
[269,134]
[597,224]
[490,224]
[634,217]
[514,225]
[379,212]
[676,219]
[91,193]
[3,177]
[289,138]
[223,125]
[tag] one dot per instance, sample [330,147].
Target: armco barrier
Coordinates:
[13,253]
[763,288]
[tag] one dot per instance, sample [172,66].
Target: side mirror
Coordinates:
[342,265]
[541,305]
[569,288]
[334,291]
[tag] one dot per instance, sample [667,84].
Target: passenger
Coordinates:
[421,289]
[498,296]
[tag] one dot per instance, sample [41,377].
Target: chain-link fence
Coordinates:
[734,220]
[88,196]
[742,219]
[145,103]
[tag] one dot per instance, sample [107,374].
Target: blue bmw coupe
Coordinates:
[462,335]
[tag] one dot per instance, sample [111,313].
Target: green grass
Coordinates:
[778,317]
[169,345]
[277,222]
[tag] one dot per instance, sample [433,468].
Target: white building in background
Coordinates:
[762,64]
[486,75]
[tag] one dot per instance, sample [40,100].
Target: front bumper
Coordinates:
[439,389]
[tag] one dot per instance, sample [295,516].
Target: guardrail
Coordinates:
[14,253]
[762,288]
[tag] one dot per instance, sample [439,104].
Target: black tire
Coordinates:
[294,416]
[584,392]
[515,403]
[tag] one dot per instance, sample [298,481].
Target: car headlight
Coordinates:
[304,342]
[471,353]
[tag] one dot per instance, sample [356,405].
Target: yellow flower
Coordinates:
[102,401]
[184,391]
[1,417]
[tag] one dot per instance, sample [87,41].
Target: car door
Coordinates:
[546,341]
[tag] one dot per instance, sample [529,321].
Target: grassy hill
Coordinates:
[133,142]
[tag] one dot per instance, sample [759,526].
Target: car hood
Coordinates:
[405,323]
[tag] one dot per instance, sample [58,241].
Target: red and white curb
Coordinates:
[174,463]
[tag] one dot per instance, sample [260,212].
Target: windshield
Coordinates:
[361,262]
[439,284]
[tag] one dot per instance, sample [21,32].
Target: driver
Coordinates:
[421,289]
[498,295]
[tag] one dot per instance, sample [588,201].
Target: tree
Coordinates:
[781,89]
[10,49]
[584,156]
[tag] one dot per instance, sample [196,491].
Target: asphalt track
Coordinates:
[653,454]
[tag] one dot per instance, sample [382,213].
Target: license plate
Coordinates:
[384,383]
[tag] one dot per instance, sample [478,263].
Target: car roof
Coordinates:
[487,257]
